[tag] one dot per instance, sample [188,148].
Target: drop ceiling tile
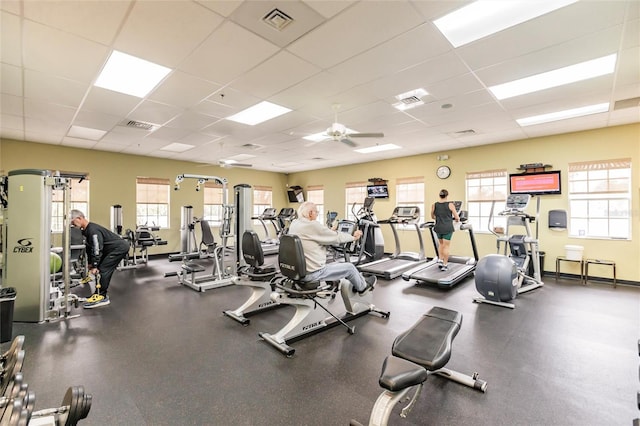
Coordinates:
[10,39]
[190,120]
[329,8]
[268,78]
[11,105]
[93,20]
[10,80]
[109,102]
[217,59]
[13,122]
[183,90]
[50,88]
[53,51]
[165,32]
[154,112]
[223,8]
[328,46]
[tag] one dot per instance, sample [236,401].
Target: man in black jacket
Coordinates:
[105,250]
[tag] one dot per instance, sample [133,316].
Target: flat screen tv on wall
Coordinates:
[537,183]
[378,191]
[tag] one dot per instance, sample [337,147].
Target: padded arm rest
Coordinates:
[428,342]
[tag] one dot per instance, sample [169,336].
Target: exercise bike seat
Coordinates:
[398,374]
[428,343]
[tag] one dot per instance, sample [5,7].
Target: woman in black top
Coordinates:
[444,214]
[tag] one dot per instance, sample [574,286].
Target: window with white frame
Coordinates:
[79,199]
[600,199]
[152,201]
[410,192]
[485,190]
[354,195]
[315,194]
[213,203]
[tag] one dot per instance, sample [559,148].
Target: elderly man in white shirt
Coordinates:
[315,238]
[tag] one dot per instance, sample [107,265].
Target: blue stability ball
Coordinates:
[497,278]
[55,263]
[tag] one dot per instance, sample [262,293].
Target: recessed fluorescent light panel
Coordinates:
[563,115]
[130,75]
[410,99]
[377,148]
[555,78]
[486,17]
[86,133]
[177,147]
[259,113]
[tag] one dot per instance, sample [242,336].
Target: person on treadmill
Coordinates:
[444,214]
[315,238]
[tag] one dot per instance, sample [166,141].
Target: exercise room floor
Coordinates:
[163,354]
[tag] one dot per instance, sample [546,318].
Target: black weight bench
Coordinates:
[417,353]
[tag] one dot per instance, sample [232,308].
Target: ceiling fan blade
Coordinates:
[366,135]
[348,142]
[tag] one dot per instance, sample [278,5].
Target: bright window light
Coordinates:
[130,75]
[486,17]
[559,77]
[563,115]
[259,113]
[377,148]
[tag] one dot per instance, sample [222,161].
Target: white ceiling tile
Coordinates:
[50,88]
[223,8]
[10,80]
[107,101]
[96,120]
[165,32]
[328,46]
[211,60]
[191,120]
[183,90]
[53,51]
[13,122]
[93,20]
[268,78]
[154,112]
[10,39]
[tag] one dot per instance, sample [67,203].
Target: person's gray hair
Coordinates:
[76,213]
[305,208]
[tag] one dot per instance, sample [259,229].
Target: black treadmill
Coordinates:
[459,267]
[393,266]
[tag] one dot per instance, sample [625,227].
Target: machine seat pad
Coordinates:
[261,274]
[428,343]
[398,374]
[192,267]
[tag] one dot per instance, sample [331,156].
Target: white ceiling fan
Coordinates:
[340,133]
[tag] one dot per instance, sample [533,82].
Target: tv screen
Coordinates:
[378,191]
[539,183]
[295,196]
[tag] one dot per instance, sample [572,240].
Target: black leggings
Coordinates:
[109,263]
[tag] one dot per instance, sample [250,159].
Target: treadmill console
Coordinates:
[405,214]
[269,213]
[517,202]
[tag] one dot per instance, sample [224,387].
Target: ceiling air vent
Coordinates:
[252,146]
[465,132]
[140,125]
[411,100]
[277,19]
[627,103]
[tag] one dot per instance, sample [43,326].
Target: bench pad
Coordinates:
[428,342]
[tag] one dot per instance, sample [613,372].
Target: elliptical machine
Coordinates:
[501,277]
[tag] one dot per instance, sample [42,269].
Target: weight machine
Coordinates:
[223,273]
[27,246]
